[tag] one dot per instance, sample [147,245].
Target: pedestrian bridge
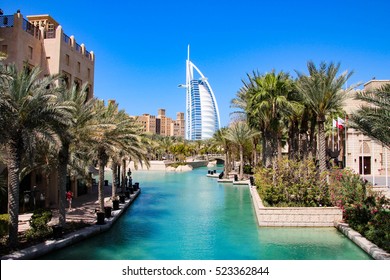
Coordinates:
[220,158]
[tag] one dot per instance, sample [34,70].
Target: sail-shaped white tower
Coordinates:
[202,115]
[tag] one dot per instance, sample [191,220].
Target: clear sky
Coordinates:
[141,46]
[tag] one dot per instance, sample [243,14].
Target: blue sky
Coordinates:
[141,46]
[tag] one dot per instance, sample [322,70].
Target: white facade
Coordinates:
[202,114]
[363,154]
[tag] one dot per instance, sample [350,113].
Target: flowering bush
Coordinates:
[296,184]
[292,183]
[371,219]
[379,229]
[347,188]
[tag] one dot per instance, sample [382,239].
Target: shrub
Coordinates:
[39,224]
[4,221]
[358,217]
[248,169]
[292,183]
[347,188]
[371,219]
[379,229]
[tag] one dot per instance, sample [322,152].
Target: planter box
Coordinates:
[100,218]
[294,216]
[107,211]
[115,204]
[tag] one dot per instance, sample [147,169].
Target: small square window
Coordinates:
[30,52]
[4,49]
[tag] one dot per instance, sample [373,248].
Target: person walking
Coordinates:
[69,196]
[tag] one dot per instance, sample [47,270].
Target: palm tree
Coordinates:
[74,133]
[220,139]
[240,133]
[114,131]
[29,111]
[322,90]
[373,118]
[165,144]
[269,102]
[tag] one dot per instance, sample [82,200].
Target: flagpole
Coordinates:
[387,175]
[332,138]
[338,138]
[362,164]
[372,158]
[345,142]
[354,139]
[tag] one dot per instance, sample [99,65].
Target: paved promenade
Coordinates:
[83,210]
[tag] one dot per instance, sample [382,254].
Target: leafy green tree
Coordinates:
[323,93]
[75,131]
[29,112]
[373,118]
[114,131]
[265,101]
[240,133]
[220,139]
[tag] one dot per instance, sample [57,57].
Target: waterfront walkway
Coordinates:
[83,210]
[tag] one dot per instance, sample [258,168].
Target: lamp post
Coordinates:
[26,199]
[42,200]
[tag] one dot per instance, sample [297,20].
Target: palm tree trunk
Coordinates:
[322,147]
[241,162]
[226,165]
[114,168]
[123,174]
[102,160]
[63,158]
[303,145]
[279,150]
[118,174]
[254,152]
[13,164]
[268,150]
[312,140]
[101,185]
[303,136]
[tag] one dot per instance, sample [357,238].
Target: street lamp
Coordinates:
[26,200]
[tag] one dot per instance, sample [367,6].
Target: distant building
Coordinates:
[161,124]
[363,154]
[202,114]
[147,122]
[40,40]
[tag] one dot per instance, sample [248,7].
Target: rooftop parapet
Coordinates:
[43,27]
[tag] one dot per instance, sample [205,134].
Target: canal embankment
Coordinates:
[48,246]
[311,217]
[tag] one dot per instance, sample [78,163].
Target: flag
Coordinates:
[340,122]
[334,123]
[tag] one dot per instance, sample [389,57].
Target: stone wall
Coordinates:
[294,216]
[198,163]
[159,165]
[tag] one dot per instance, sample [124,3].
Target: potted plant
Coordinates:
[107,211]
[115,203]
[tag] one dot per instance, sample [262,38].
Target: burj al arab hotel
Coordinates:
[202,115]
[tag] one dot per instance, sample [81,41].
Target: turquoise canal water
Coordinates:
[188,216]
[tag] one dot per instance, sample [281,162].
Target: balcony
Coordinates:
[6,21]
[31,29]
